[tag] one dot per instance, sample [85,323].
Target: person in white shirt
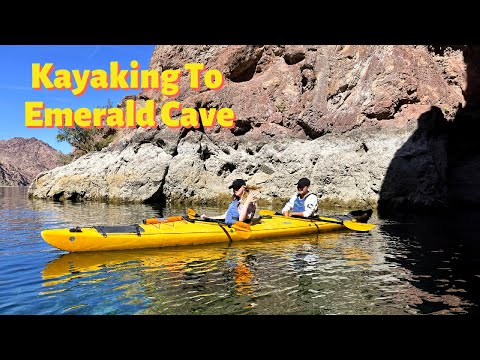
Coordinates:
[304,203]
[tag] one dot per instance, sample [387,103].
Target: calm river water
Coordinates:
[409,265]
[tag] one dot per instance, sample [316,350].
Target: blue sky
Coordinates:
[16,82]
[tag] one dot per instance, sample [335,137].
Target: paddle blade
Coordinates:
[191,212]
[161,221]
[358,226]
[352,225]
[242,229]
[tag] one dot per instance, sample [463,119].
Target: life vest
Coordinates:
[299,204]
[232,213]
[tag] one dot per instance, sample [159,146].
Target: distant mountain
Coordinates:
[22,159]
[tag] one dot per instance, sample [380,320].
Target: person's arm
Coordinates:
[289,205]
[250,198]
[310,205]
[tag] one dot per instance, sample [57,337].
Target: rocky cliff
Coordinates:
[23,159]
[367,125]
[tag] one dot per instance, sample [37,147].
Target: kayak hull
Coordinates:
[180,233]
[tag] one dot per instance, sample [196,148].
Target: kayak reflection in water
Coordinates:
[303,203]
[243,279]
[243,206]
[241,268]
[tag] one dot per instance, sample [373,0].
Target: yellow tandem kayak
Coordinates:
[187,231]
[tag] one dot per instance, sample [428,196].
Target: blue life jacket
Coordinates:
[232,213]
[299,204]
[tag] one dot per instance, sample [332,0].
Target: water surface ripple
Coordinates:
[398,268]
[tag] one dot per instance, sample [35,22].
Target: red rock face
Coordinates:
[23,159]
[308,91]
[323,89]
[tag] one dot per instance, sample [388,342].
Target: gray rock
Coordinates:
[135,174]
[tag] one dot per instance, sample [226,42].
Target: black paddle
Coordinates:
[352,225]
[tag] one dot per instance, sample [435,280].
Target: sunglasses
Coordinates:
[300,187]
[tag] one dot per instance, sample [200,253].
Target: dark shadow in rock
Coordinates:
[433,184]
[439,165]
[416,176]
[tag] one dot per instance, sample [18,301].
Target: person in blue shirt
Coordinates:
[303,203]
[242,207]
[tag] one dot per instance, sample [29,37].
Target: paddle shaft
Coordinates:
[320,219]
[242,229]
[312,218]
[350,224]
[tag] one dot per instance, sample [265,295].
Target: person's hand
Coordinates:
[253,196]
[203,216]
[286,213]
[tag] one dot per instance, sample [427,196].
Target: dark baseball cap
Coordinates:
[237,184]
[303,182]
